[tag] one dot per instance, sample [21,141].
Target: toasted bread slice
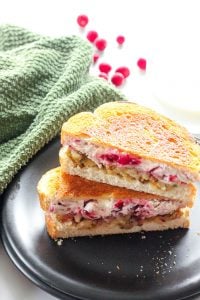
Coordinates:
[138,131]
[185,192]
[68,195]
[58,229]
[57,185]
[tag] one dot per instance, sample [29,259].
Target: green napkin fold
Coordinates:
[43,81]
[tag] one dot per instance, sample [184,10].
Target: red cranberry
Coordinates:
[105,68]
[126,159]
[172,178]
[109,157]
[92,36]
[117,79]
[100,44]
[124,71]
[103,75]
[135,161]
[95,57]
[119,204]
[82,20]
[120,39]
[142,63]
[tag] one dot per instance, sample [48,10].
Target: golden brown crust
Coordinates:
[137,130]
[47,187]
[56,229]
[51,226]
[56,183]
[78,187]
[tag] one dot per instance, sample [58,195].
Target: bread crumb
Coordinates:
[59,242]
[109,272]
[170,252]
[118,268]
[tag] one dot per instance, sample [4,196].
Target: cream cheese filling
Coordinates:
[113,157]
[104,208]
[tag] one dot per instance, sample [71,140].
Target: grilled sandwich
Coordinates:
[128,145]
[75,206]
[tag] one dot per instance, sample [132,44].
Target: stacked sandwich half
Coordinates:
[124,168]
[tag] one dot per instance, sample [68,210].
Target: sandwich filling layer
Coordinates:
[84,153]
[58,226]
[105,209]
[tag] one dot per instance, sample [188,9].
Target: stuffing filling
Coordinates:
[129,174]
[124,212]
[125,164]
[122,222]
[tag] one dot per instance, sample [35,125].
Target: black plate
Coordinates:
[140,266]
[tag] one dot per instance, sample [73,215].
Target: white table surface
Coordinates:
[166,33]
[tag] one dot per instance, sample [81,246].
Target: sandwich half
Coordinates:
[128,145]
[75,206]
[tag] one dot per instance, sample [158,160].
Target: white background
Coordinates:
[166,33]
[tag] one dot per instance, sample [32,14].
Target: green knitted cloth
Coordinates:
[43,81]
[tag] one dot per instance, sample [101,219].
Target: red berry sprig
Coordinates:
[124,71]
[117,79]
[105,68]
[92,35]
[101,44]
[95,57]
[82,20]
[121,73]
[142,64]
[120,39]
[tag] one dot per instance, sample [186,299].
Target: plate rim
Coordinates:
[26,271]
